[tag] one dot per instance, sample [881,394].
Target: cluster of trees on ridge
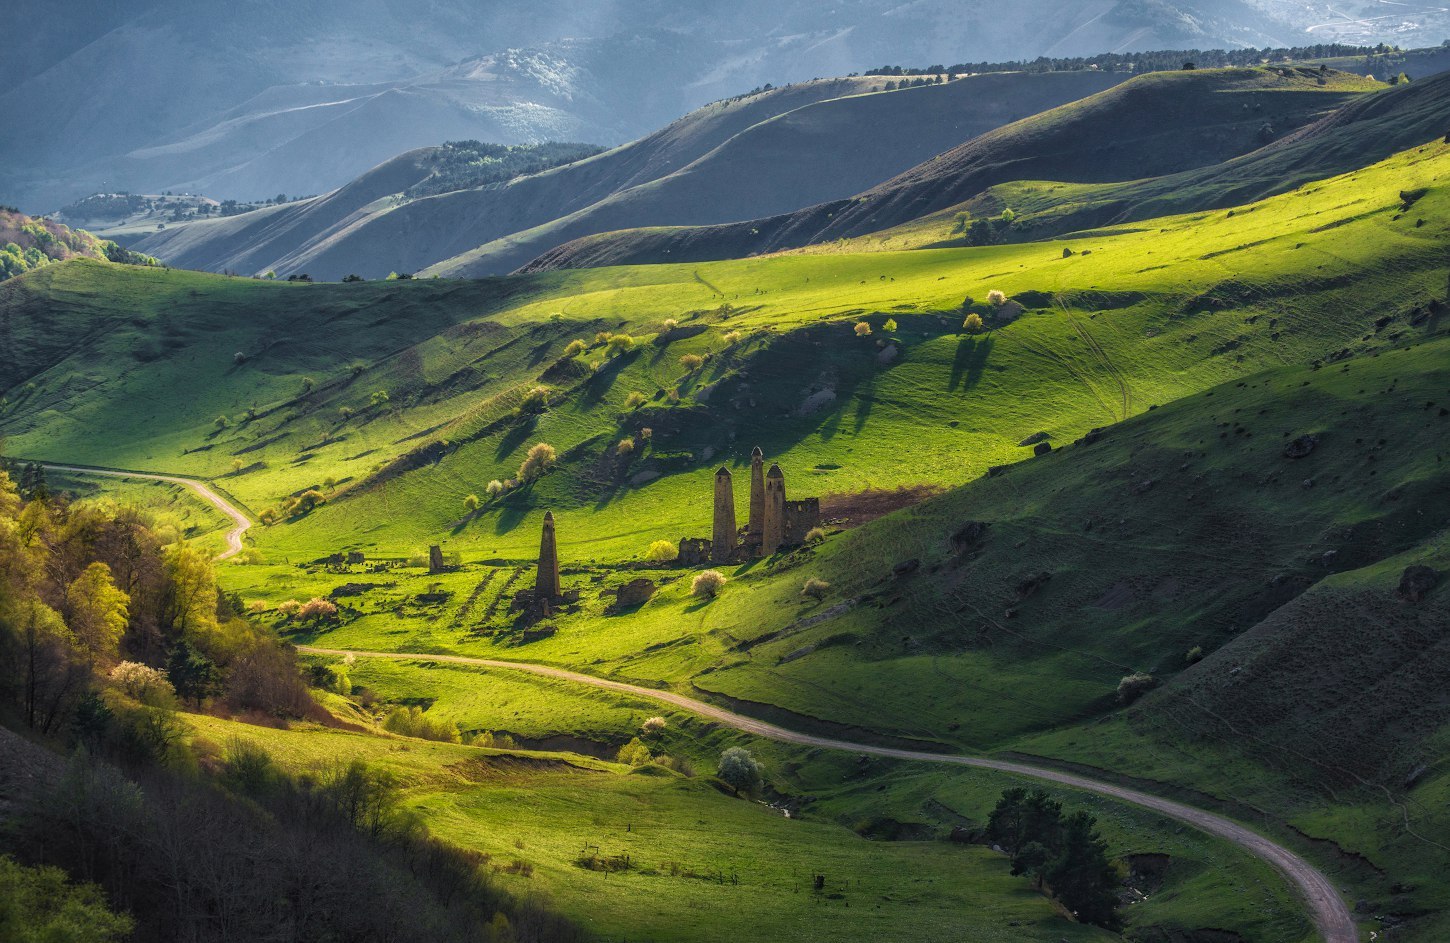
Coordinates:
[466,165]
[1163,60]
[28,243]
[110,625]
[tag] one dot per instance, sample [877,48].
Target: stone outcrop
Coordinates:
[694,551]
[1416,583]
[435,559]
[634,593]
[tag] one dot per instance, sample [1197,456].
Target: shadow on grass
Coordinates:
[970,361]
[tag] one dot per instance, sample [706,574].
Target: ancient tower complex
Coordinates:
[755,526]
[773,527]
[546,586]
[774,522]
[726,535]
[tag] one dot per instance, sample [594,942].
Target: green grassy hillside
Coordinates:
[1369,128]
[1150,316]
[1154,124]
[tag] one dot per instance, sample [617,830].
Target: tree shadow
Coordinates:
[969,362]
[592,390]
[515,437]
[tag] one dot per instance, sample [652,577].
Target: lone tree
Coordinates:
[1063,855]
[740,771]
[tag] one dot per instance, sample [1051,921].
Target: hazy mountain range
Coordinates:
[247,100]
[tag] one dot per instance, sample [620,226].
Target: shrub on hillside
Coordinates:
[740,771]
[996,298]
[536,400]
[635,400]
[625,446]
[1134,686]
[662,551]
[142,682]
[575,348]
[692,361]
[973,323]
[289,608]
[669,325]
[731,337]
[634,753]
[470,503]
[707,585]
[863,329]
[654,725]
[540,458]
[413,722]
[815,535]
[815,588]
[316,610]
[890,326]
[620,344]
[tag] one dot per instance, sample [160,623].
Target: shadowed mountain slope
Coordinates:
[1150,126]
[761,153]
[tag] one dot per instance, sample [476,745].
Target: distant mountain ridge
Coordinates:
[243,101]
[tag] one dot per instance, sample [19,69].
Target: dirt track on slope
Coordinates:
[1331,916]
[240,520]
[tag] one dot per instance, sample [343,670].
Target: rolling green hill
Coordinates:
[1154,124]
[765,152]
[1247,409]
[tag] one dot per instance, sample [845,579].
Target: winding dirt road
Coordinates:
[1327,909]
[240,520]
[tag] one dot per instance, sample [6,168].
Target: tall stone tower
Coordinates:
[546,586]
[773,527]
[755,526]
[722,547]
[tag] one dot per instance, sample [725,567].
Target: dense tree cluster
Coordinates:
[465,165]
[86,588]
[109,625]
[1063,854]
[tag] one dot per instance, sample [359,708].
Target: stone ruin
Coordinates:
[548,593]
[773,522]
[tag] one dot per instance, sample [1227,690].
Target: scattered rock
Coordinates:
[1143,486]
[816,402]
[1042,448]
[634,593]
[644,477]
[1416,583]
[906,567]
[968,536]
[1031,584]
[888,354]
[1091,436]
[1328,558]
[1301,447]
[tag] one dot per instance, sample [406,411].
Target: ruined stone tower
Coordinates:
[755,526]
[546,586]
[773,526]
[722,546]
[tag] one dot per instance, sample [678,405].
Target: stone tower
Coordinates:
[773,527]
[722,547]
[755,526]
[546,586]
